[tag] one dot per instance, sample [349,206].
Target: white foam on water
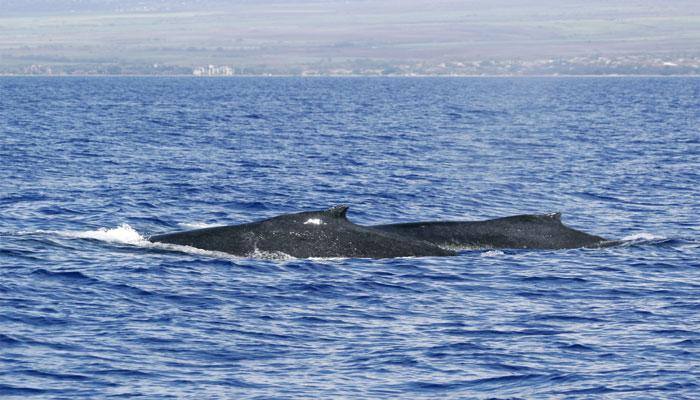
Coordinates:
[492,253]
[271,255]
[644,236]
[124,233]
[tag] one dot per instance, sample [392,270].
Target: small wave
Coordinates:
[9,340]
[496,381]
[53,375]
[19,390]
[71,275]
[576,347]
[684,343]
[23,254]
[551,279]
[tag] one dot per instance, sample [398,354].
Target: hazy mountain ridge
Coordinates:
[350,37]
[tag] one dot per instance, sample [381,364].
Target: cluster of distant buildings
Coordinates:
[35,69]
[586,65]
[212,70]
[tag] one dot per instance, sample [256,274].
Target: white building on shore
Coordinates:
[212,70]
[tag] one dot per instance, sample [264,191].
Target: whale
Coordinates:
[529,231]
[323,234]
[328,233]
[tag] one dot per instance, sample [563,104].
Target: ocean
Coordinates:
[91,166]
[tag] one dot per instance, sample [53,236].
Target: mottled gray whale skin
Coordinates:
[516,232]
[303,235]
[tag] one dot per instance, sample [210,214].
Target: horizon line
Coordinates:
[349,76]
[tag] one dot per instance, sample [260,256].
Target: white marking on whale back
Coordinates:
[313,221]
[197,225]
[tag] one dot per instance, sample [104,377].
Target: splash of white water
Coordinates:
[644,236]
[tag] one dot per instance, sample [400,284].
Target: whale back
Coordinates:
[544,231]
[326,233]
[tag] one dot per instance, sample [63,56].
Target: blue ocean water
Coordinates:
[92,166]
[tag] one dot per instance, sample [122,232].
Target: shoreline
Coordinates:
[341,76]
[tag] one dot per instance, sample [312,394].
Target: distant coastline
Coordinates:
[337,38]
[592,65]
[4,75]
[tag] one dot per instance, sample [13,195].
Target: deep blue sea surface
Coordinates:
[92,166]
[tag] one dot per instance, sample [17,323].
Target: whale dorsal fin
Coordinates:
[556,216]
[338,211]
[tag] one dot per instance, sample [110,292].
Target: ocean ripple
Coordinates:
[89,308]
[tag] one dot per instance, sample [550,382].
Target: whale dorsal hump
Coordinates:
[338,211]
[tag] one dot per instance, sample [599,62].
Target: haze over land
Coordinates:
[382,37]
